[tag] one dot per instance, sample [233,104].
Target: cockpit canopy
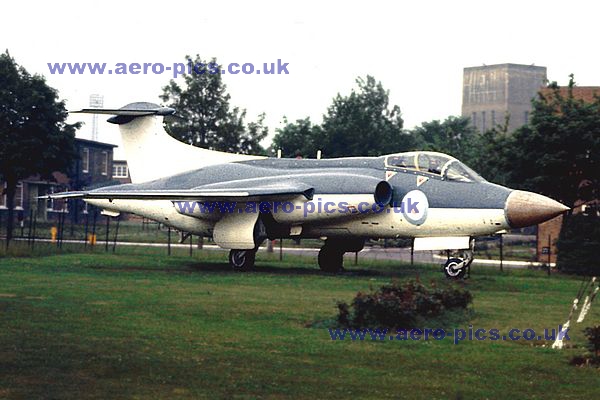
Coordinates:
[439,164]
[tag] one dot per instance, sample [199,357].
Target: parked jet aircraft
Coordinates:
[241,200]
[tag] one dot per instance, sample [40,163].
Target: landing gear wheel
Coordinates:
[242,260]
[455,268]
[331,259]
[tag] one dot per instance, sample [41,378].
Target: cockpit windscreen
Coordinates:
[442,165]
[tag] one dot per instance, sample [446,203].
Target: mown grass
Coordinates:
[140,324]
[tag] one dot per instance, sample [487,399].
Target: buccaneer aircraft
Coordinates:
[241,200]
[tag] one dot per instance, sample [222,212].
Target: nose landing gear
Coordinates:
[459,265]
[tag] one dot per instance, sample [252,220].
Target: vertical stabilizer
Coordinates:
[150,151]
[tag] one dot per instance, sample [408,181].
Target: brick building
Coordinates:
[585,93]
[493,92]
[546,238]
[93,169]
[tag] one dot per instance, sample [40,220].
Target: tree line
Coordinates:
[557,150]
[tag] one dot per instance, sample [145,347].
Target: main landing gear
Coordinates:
[459,264]
[241,260]
[331,255]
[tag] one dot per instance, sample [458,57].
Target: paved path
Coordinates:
[373,253]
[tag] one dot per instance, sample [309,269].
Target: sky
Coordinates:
[417,49]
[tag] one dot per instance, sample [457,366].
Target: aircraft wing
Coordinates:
[196,194]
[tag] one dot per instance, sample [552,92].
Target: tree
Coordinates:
[363,124]
[492,156]
[206,119]
[578,245]
[34,137]
[298,138]
[454,136]
[560,147]
[234,137]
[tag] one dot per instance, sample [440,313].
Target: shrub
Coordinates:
[593,336]
[592,359]
[399,306]
[455,298]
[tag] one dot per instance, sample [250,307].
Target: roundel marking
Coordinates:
[415,206]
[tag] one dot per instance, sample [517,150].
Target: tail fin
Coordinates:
[150,152]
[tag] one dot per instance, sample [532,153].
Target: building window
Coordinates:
[85,161]
[120,171]
[483,125]
[104,163]
[474,119]
[493,118]
[18,196]
[525,117]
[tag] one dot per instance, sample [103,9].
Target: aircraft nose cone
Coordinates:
[527,209]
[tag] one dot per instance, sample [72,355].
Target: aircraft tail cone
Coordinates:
[527,209]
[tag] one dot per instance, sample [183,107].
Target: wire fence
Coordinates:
[93,231]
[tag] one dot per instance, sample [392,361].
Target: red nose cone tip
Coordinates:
[527,209]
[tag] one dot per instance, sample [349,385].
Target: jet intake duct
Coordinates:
[383,193]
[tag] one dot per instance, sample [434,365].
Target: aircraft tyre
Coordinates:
[331,259]
[455,268]
[242,260]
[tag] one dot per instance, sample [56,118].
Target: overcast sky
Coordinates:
[417,49]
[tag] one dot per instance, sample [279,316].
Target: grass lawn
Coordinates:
[141,325]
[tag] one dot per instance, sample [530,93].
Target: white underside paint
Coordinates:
[158,210]
[446,222]
[439,222]
[442,243]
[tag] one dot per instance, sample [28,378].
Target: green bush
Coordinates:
[592,359]
[593,336]
[399,306]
